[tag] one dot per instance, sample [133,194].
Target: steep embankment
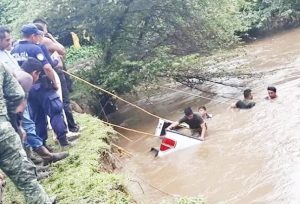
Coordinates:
[86,176]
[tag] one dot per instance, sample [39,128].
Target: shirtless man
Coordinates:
[271,93]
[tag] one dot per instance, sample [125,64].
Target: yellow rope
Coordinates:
[132,130]
[125,137]
[103,90]
[122,149]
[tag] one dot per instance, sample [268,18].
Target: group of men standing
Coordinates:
[31,73]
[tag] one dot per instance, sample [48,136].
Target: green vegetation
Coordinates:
[262,17]
[78,57]
[127,43]
[84,177]
[139,41]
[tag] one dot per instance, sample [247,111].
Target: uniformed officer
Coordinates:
[42,97]
[13,159]
[55,47]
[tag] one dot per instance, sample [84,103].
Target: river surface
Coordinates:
[249,156]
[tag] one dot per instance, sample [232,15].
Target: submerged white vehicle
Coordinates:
[172,140]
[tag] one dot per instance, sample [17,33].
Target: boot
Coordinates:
[76,128]
[50,149]
[50,157]
[35,159]
[63,142]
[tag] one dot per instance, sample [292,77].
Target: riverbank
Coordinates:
[87,175]
[91,174]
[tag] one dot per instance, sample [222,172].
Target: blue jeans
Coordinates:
[32,139]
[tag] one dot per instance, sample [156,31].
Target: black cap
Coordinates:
[32,64]
[30,29]
[188,111]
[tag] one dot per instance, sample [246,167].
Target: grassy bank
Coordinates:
[85,176]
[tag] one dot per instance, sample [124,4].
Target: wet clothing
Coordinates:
[13,160]
[42,98]
[194,123]
[245,104]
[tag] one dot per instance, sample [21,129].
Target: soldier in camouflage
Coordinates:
[13,159]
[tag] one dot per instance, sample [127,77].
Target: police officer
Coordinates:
[13,159]
[42,97]
[55,47]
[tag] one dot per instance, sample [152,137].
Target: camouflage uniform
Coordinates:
[13,159]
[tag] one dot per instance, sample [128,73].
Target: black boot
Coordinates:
[63,141]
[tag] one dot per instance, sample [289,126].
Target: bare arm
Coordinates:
[49,71]
[53,45]
[203,130]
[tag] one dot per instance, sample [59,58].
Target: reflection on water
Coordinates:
[250,156]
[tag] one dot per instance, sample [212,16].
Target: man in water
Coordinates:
[271,93]
[203,112]
[247,103]
[195,122]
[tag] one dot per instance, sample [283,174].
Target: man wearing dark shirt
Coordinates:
[247,103]
[195,122]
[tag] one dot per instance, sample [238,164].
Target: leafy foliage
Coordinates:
[264,16]
[139,41]
[85,53]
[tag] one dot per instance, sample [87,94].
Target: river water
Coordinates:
[249,156]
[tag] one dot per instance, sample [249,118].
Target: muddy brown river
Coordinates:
[249,156]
